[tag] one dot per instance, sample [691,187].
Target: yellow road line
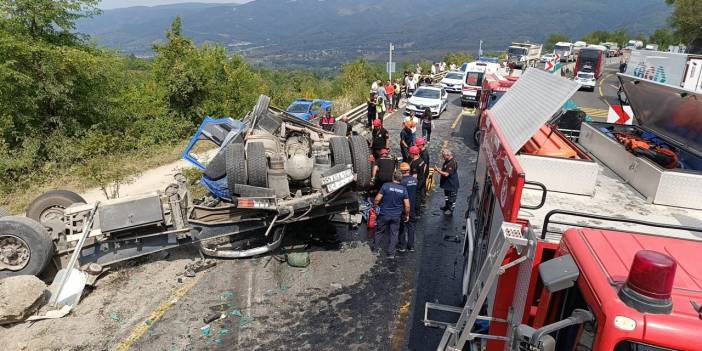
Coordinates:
[457,120]
[142,327]
[600,88]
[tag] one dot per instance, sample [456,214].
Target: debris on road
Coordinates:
[298,259]
[205,331]
[115,317]
[20,296]
[213,317]
[227,295]
[198,266]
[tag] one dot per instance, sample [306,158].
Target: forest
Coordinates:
[75,115]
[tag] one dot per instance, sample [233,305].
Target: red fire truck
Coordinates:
[546,270]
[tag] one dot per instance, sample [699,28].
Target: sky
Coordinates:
[113,4]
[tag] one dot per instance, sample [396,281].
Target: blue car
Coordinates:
[306,109]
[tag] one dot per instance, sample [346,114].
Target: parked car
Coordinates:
[307,110]
[452,82]
[587,80]
[433,97]
[548,58]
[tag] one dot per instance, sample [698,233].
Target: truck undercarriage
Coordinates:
[270,171]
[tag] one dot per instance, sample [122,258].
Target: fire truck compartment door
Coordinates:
[530,103]
[668,111]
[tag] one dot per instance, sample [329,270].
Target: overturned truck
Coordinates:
[271,169]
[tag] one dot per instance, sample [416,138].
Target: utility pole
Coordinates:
[390,63]
[480,50]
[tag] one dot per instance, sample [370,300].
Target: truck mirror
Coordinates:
[559,273]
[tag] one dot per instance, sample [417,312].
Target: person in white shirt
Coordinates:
[453,67]
[433,69]
[411,86]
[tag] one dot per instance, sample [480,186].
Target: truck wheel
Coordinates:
[256,164]
[340,151]
[50,205]
[236,166]
[217,167]
[476,136]
[340,128]
[361,165]
[25,247]
[261,106]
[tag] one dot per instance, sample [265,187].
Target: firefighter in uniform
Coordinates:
[383,169]
[407,229]
[418,169]
[449,180]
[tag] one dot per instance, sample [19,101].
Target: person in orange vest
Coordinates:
[327,121]
[389,92]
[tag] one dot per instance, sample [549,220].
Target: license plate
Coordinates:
[470,92]
[337,177]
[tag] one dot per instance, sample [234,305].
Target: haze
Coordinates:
[114,4]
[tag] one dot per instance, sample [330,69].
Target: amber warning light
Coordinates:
[650,282]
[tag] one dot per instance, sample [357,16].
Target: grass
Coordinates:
[72,178]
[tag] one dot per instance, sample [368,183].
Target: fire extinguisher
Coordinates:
[372,218]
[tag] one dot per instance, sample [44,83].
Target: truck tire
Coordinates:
[261,106]
[217,167]
[257,164]
[361,163]
[340,128]
[235,155]
[26,245]
[4,212]
[50,205]
[476,136]
[341,153]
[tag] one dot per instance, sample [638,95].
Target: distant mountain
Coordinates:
[327,32]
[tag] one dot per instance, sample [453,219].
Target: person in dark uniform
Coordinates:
[407,229]
[406,140]
[379,137]
[383,169]
[449,180]
[424,155]
[393,201]
[371,108]
[418,169]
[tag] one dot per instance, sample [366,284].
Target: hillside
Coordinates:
[326,32]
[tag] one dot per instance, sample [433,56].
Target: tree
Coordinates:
[554,38]
[596,37]
[457,58]
[686,19]
[663,37]
[620,36]
[50,20]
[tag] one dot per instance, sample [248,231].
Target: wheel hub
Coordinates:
[14,253]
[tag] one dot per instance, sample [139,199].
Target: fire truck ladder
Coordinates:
[456,335]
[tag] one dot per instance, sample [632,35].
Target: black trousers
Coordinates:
[450,196]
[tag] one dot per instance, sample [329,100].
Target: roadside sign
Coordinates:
[620,115]
[390,67]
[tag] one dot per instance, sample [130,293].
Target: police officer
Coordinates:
[449,180]
[407,229]
[383,169]
[379,138]
[327,121]
[393,201]
[418,169]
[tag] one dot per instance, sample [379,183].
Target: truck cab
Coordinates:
[640,297]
